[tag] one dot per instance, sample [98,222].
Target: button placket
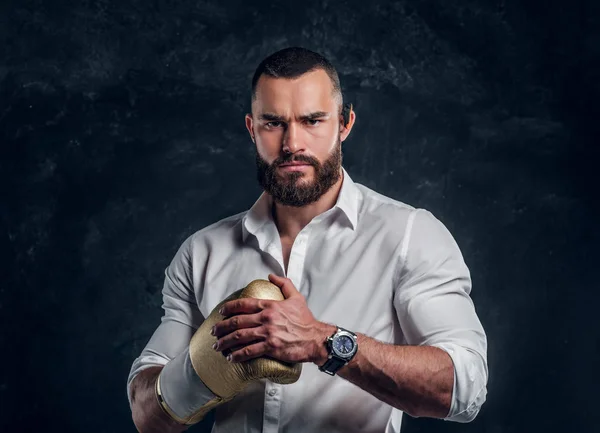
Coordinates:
[275,252]
[271,409]
[297,257]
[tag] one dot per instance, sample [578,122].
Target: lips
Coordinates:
[294,164]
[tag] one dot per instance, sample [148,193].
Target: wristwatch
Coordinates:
[342,346]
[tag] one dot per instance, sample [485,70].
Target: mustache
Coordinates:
[295,158]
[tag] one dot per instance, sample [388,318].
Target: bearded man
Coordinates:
[375,295]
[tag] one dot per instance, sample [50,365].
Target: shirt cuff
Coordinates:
[470,383]
[142,363]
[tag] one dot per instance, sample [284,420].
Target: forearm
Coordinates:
[415,379]
[147,414]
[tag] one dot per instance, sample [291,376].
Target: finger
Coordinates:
[285,284]
[277,280]
[242,306]
[226,326]
[239,338]
[226,352]
[251,351]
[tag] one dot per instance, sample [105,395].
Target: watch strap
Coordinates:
[332,365]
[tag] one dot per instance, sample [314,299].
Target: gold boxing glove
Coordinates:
[225,379]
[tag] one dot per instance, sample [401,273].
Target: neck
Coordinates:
[291,220]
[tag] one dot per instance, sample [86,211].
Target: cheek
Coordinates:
[324,145]
[268,146]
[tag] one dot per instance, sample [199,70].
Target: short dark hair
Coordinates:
[293,62]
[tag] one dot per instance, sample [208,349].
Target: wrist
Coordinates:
[324,331]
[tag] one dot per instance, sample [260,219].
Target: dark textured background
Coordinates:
[122,132]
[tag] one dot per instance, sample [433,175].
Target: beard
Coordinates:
[284,189]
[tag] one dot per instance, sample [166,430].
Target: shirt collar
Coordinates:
[347,200]
[260,213]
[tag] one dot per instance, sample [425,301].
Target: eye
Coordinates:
[313,122]
[273,124]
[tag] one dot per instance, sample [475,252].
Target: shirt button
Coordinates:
[272,392]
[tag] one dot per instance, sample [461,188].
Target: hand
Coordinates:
[284,330]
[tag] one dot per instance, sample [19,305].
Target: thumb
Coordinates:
[285,284]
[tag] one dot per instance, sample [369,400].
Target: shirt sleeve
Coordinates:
[434,308]
[180,320]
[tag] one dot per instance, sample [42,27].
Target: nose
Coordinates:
[292,139]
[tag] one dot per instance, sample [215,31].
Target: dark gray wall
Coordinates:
[122,132]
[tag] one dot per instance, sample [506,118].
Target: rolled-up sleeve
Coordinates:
[434,308]
[181,316]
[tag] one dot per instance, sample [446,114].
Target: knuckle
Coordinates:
[268,330]
[235,321]
[246,351]
[237,335]
[274,343]
[271,316]
[267,316]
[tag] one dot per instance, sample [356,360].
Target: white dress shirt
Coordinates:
[370,264]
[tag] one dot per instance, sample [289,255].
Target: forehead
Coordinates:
[312,90]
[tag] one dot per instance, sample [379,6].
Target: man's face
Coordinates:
[297,122]
[287,188]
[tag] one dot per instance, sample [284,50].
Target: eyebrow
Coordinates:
[271,117]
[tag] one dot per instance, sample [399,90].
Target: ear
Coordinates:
[348,118]
[249,123]
[346,110]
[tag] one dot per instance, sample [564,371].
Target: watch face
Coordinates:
[343,345]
